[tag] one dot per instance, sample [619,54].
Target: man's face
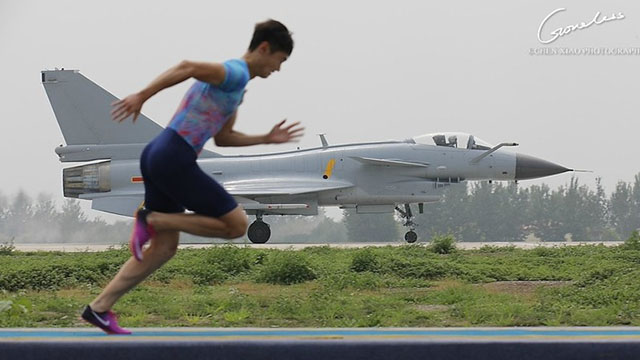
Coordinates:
[270,61]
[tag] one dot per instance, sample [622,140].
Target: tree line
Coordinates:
[27,220]
[478,211]
[483,211]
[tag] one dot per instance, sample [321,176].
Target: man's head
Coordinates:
[270,46]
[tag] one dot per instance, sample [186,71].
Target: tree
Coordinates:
[328,231]
[45,208]
[4,213]
[635,196]
[370,227]
[540,211]
[591,214]
[600,214]
[485,207]
[19,214]
[513,217]
[449,216]
[620,208]
[43,227]
[72,219]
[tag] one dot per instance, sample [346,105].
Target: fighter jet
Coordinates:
[371,177]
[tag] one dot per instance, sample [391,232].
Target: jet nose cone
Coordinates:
[529,167]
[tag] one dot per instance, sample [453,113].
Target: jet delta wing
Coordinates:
[374,177]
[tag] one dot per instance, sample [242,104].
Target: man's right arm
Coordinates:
[213,73]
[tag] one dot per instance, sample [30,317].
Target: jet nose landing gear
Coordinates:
[410,236]
[259,231]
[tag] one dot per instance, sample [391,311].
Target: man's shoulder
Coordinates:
[236,74]
[236,62]
[237,65]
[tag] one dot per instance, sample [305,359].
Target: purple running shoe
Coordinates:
[106,321]
[141,233]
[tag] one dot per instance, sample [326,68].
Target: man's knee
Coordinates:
[237,227]
[240,230]
[166,244]
[169,251]
[235,222]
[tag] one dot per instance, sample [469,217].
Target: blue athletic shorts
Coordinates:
[173,180]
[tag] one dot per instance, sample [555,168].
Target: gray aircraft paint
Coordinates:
[370,177]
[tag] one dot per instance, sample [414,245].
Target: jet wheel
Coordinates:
[411,237]
[259,232]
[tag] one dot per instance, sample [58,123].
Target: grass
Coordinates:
[412,286]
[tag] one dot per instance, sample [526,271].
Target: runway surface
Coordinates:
[461,245]
[377,334]
[311,344]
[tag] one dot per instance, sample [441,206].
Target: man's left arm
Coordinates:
[279,134]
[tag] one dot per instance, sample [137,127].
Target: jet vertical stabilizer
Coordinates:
[83,111]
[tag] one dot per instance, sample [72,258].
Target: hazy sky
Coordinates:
[359,71]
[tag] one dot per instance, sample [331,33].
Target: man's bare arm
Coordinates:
[278,134]
[213,73]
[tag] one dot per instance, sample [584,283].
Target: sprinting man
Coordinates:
[173,181]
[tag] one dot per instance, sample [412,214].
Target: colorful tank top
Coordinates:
[206,108]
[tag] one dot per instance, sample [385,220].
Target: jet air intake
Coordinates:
[529,167]
[87,179]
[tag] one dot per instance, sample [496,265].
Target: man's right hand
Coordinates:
[131,105]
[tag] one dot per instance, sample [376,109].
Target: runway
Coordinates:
[461,245]
[307,343]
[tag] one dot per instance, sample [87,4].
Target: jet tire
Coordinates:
[411,237]
[259,232]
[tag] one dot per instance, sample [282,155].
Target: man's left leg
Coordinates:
[228,226]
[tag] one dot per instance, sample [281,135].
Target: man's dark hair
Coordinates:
[275,33]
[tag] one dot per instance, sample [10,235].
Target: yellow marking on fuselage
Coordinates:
[329,169]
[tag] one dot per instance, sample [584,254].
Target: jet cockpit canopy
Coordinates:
[453,139]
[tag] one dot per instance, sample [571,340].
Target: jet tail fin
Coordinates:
[83,111]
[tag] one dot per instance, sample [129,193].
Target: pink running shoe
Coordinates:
[106,321]
[141,233]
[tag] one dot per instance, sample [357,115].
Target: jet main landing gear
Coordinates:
[259,231]
[410,236]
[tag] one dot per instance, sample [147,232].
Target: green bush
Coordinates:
[286,268]
[600,273]
[364,260]
[542,251]
[443,244]
[417,268]
[259,258]
[229,259]
[44,271]
[206,274]
[7,248]
[633,242]
[17,308]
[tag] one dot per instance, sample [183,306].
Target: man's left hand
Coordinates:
[282,134]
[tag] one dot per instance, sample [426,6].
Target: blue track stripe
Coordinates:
[515,333]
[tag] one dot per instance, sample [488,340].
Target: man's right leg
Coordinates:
[229,226]
[162,248]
